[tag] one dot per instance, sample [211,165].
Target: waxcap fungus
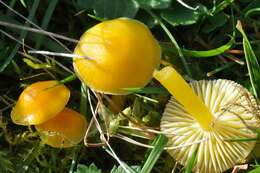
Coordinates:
[66,129]
[120,53]
[40,102]
[234,110]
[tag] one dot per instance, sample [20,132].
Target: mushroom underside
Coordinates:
[235,115]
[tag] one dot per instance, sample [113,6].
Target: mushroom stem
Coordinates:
[180,89]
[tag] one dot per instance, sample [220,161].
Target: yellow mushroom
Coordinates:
[206,114]
[120,53]
[40,102]
[66,129]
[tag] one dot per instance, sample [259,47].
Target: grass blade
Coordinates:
[192,161]
[76,151]
[126,168]
[256,170]
[158,143]
[251,61]
[68,79]
[209,53]
[249,12]
[148,90]
[202,53]
[219,69]
[46,20]
[221,6]
[22,36]
[23,3]
[83,100]
[174,42]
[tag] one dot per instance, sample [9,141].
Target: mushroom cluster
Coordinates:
[205,116]
[43,104]
[122,53]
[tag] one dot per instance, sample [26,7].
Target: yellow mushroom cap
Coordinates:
[40,102]
[64,130]
[234,110]
[122,54]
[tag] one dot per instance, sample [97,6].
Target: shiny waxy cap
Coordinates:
[120,53]
[40,102]
[66,129]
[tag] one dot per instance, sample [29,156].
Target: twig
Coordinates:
[67,55]
[127,139]
[39,31]
[20,15]
[187,6]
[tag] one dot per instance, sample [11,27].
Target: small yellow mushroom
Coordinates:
[120,53]
[206,115]
[64,130]
[40,102]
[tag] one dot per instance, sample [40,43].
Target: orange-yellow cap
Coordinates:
[122,53]
[40,102]
[66,129]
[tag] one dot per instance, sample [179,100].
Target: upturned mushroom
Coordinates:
[66,129]
[120,53]
[40,102]
[206,115]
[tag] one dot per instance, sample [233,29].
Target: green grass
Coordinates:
[201,44]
